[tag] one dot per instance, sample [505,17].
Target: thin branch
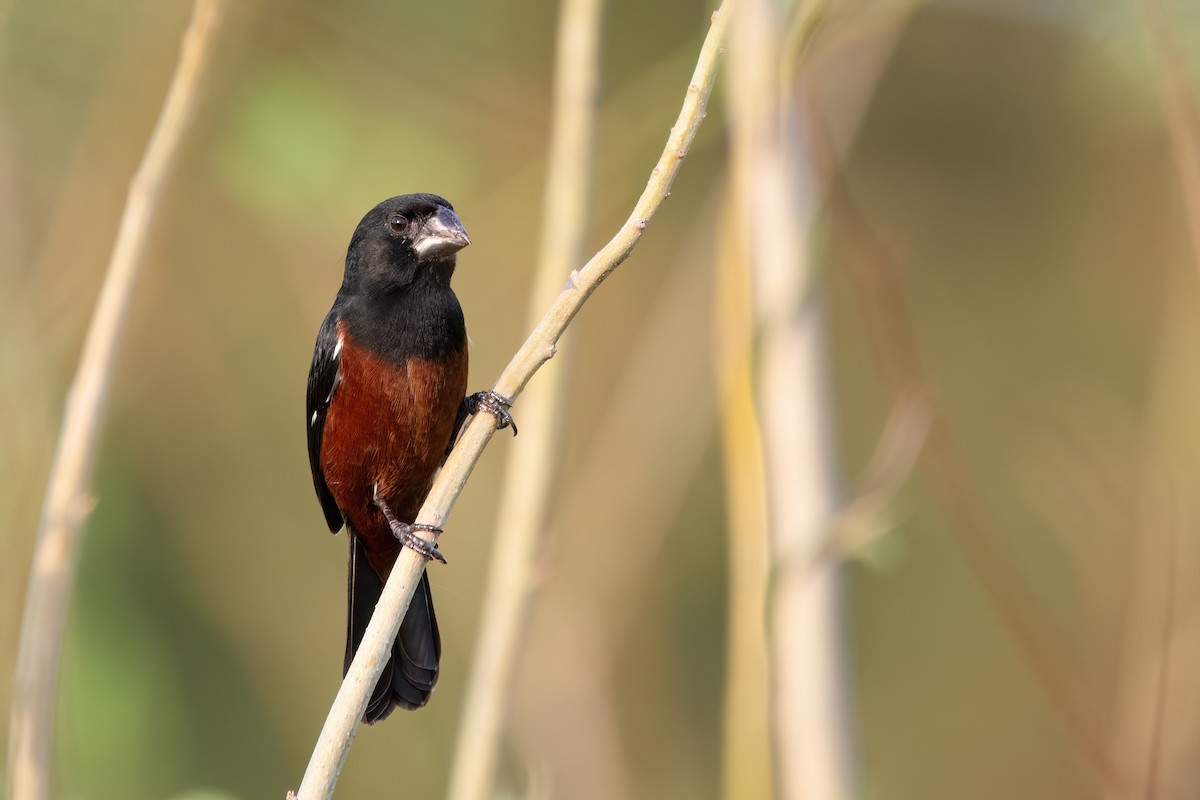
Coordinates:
[351,700]
[774,58]
[531,461]
[67,502]
[866,517]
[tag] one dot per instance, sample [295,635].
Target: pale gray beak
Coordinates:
[442,235]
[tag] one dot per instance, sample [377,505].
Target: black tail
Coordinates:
[412,671]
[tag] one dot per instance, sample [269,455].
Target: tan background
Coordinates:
[1015,168]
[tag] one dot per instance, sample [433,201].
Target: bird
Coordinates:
[386,398]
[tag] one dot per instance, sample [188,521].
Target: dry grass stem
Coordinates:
[595,595]
[67,502]
[746,744]
[776,197]
[532,460]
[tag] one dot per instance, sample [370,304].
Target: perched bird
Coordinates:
[386,397]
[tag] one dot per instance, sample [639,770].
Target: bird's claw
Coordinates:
[495,404]
[405,532]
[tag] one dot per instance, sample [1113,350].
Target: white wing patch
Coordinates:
[337,378]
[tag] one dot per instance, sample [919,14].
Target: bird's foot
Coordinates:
[495,404]
[405,532]
[406,535]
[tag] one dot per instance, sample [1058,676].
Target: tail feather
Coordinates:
[411,673]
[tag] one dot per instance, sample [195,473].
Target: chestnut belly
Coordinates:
[387,430]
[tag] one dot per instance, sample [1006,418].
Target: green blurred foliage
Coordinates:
[1013,160]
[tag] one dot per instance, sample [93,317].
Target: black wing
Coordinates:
[323,379]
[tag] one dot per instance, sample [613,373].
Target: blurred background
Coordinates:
[1023,624]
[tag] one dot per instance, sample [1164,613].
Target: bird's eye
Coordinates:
[398,223]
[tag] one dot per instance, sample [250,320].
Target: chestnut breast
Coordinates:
[388,426]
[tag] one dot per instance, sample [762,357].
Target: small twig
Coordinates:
[863,519]
[351,700]
[67,503]
[529,476]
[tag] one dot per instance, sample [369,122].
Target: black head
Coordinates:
[405,240]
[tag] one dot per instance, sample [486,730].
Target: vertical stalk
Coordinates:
[525,499]
[774,188]
[67,503]
[746,743]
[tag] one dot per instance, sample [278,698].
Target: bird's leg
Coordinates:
[404,532]
[493,403]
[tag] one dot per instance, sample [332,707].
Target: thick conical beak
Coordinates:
[441,235]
